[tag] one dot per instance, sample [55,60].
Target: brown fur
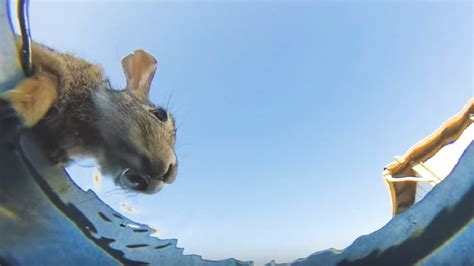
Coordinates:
[72,113]
[33,97]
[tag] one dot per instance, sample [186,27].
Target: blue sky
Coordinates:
[287,111]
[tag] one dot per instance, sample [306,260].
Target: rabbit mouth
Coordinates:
[137,182]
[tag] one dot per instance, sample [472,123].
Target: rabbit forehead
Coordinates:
[123,117]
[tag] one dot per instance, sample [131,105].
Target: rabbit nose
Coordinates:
[169,168]
[165,168]
[170,174]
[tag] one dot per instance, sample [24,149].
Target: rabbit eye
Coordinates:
[160,113]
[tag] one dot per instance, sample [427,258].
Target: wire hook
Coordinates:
[25,52]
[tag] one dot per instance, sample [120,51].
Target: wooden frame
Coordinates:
[402,174]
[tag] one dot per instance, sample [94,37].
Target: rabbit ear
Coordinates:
[139,68]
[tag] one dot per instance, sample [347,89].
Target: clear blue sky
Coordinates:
[288,111]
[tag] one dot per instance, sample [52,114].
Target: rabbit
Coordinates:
[69,107]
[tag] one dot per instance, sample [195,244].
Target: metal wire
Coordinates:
[25,52]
